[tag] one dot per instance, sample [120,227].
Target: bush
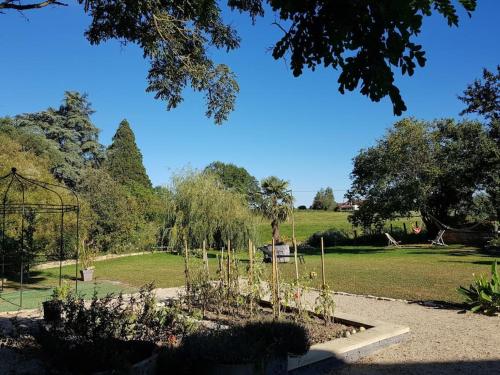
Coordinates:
[258,342]
[483,296]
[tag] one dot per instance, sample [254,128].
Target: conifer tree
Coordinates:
[124,159]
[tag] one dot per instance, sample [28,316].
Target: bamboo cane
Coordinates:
[323,263]
[205,258]
[186,265]
[228,261]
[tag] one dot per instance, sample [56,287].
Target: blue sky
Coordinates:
[300,129]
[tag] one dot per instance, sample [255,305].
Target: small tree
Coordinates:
[324,200]
[276,204]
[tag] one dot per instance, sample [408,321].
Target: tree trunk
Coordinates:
[276,231]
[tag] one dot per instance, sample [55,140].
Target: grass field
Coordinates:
[416,273]
[309,222]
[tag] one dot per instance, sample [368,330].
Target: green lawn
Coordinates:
[417,273]
[309,222]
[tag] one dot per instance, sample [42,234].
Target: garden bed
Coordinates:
[317,329]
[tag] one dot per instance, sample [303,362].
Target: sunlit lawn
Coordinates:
[417,273]
[309,222]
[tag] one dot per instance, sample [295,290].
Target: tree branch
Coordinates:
[10,4]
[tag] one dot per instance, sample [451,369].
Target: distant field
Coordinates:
[309,222]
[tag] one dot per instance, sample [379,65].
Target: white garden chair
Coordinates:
[392,241]
[438,241]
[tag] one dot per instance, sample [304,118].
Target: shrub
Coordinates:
[484,295]
[251,343]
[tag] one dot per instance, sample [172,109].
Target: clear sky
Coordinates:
[300,129]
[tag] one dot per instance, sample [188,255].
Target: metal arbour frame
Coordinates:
[22,206]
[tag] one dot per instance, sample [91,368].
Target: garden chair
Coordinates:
[438,241]
[392,241]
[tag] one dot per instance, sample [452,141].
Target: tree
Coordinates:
[71,130]
[482,97]
[324,200]
[124,159]
[237,179]
[435,168]
[366,40]
[277,203]
[203,210]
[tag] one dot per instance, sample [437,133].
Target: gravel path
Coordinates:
[441,341]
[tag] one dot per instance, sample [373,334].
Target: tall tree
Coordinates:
[277,203]
[482,97]
[324,200]
[237,179]
[124,159]
[435,168]
[70,128]
[366,40]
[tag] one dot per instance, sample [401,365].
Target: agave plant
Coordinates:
[483,295]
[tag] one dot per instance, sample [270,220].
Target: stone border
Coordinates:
[325,356]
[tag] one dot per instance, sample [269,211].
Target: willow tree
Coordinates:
[277,201]
[202,209]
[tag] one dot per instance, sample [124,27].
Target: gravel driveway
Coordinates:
[442,341]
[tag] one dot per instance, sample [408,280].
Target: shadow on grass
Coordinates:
[478,262]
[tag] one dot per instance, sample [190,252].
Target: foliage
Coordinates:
[484,295]
[124,159]
[118,223]
[250,343]
[237,179]
[324,200]
[203,210]
[367,41]
[277,203]
[482,97]
[87,256]
[60,293]
[324,305]
[436,168]
[70,130]
[103,334]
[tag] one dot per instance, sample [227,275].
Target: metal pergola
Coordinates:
[21,204]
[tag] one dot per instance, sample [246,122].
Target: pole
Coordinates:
[205,258]
[186,265]
[323,263]
[228,262]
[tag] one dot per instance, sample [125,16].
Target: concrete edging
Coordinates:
[325,356]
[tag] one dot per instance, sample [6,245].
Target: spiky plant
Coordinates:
[277,201]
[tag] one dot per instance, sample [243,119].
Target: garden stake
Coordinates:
[273,279]
[250,276]
[228,262]
[186,265]
[296,264]
[205,258]
[323,263]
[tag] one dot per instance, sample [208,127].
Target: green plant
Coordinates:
[325,305]
[251,343]
[483,295]
[87,256]
[60,292]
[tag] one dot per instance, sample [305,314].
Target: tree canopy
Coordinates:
[124,159]
[70,130]
[324,200]
[435,168]
[277,203]
[367,41]
[237,179]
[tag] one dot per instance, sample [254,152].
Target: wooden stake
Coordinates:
[205,258]
[323,263]
[186,265]
[296,263]
[273,278]
[250,262]
[228,261]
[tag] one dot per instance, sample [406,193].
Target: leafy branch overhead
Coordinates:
[367,41]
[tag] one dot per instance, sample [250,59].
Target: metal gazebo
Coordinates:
[16,192]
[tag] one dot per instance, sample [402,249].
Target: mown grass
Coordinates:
[309,222]
[415,273]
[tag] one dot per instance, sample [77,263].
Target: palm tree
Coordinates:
[276,204]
